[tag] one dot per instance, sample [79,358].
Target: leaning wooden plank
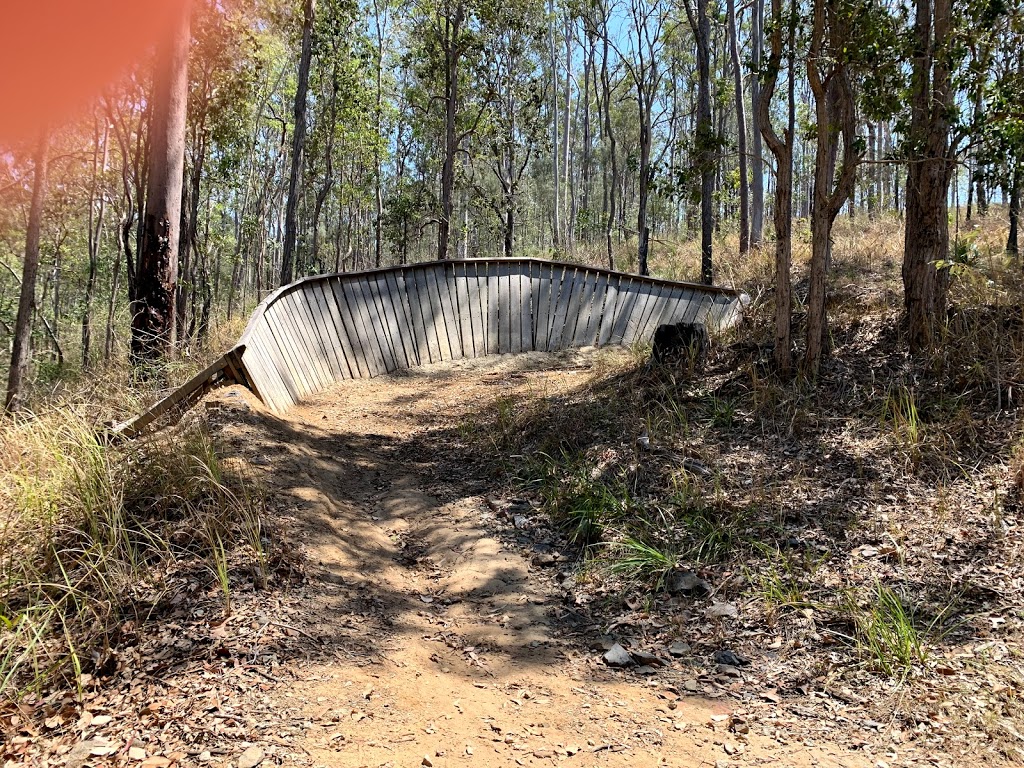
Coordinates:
[645,331]
[655,308]
[403,327]
[342,347]
[299,314]
[625,300]
[587,300]
[540,276]
[576,291]
[349,332]
[437,313]
[510,283]
[597,308]
[272,387]
[429,319]
[705,304]
[551,281]
[604,333]
[493,307]
[379,320]
[460,278]
[638,312]
[525,307]
[272,348]
[309,345]
[670,303]
[263,380]
[477,309]
[368,346]
[412,293]
[326,328]
[372,323]
[693,307]
[193,388]
[289,347]
[444,274]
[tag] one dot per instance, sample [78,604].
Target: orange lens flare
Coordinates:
[57,56]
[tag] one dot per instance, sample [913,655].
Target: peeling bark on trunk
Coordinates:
[153,311]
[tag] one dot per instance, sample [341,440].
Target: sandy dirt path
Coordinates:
[442,642]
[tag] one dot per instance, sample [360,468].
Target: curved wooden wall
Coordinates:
[307,335]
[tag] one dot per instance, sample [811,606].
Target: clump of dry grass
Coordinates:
[90,534]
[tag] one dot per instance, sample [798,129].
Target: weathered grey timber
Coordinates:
[307,335]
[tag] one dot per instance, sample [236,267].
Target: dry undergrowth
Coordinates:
[868,529]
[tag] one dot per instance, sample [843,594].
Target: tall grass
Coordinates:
[90,532]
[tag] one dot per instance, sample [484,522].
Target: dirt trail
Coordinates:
[445,644]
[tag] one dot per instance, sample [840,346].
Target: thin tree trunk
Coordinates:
[741,129]
[22,351]
[453,27]
[298,144]
[97,208]
[556,226]
[757,159]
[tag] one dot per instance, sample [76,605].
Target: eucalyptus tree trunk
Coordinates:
[701,27]
[97,207]
[757,158]
[835,112]
[782,149]
[556,224]
[452,51]
[926,240]
[609,132]
[741,129]
[153,311]
[298,144]
[22,349]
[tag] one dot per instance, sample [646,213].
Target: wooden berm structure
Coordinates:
[305,336]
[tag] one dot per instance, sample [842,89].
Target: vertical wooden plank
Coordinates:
[560,301]
[587,295]
[437,314]
[540,276]
[638,312]
[357,359]
[526,303]
[412,293]
[378,320]
[510,306]
[444,274]
[372,323]
[493,345]
[572,312]
[344,346]
[325,327]
[504,336]
[361,325]
[624,303]
[604,333]
[597,308]
[400,303]
[462,307]
[477,308]
[705,304]
[427,315]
